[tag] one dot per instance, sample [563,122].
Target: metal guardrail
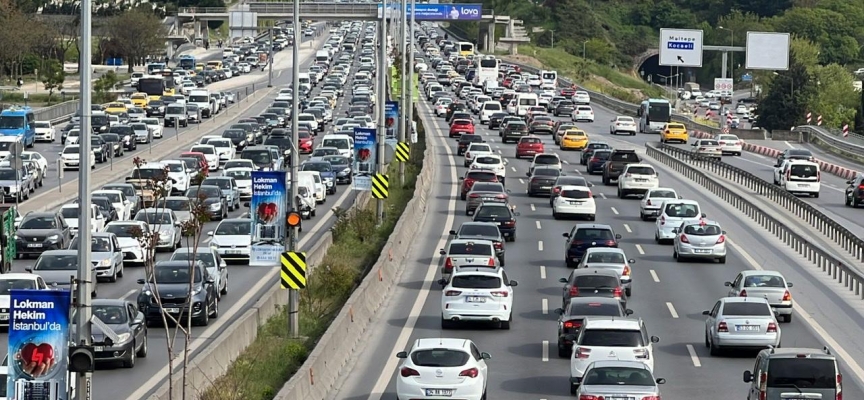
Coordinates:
[854,144]
[847,275]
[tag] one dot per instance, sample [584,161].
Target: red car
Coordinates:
[474,176]
[460,126]
[305,142]
[568,92]
[528,146]
[205,168]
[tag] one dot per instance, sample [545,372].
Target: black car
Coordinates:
[794,154]
[589,150]
[102,149]
[155,108]
[125,319]
[238,137]
[495,119]
[282,142]
[115,143]
[572,316]
[173,279]
[584,236]
[593,283]
[541,180]
[465,140]
[455,107]
[210,195]
[501,214]
[342,167]
[597,160]
[855,191]
[127,136]
[41,231]
[482,231]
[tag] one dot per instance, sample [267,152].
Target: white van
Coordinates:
[320,189]
[524,101]
[306,191]
[344,143]
[304,79]
[322,56]
[487,109]
[489,86]
[799,176]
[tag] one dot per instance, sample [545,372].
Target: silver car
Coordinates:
[610,258]
[142,133]
[707,149]
[610,379]
[769,285]
[485,192]
[672,214]
[703,239]
[106,255]
[741,322]
[649,205]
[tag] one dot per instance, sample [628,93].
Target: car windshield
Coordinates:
[441,358]
[606,257]
[802,373]
[476,282]
[592,234]
[221,183]
[113,197]
[641,170]
[681,210]
[124,230]
[234,228]
[709,143]
[97,244]
[470,249]
[71,150]
[239,174]
[175,274]
[220,143]
[769,281]
[479,230]
[663,194]
[702,230]
[8,284]
[56,263]
[203,149]
[8,174]
[155,174]
[576,194]
[577,307]
[547,172]
[46,222]
[316,166]
[151,217]
[177,204]
[337,143]
[546,159]
[742,309]
[204,192]
[612,338]
[205,257]
[619,376]
[69,212]
[111,314]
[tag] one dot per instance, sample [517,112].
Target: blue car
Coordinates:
[597,160]
[584,236]
[326,170]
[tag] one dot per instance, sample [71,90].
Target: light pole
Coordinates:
[731,54]
[583,49]
[553,38]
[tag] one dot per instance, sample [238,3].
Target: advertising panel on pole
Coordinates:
[391,115]
[268,209]
[437,12]
[365,157]
[681,47]
[39,329]
[723,84]
[768,51]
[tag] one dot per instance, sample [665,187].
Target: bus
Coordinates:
[153,68]
[187,62]
[653,115]
[487,70]
[465,48]
[154,86]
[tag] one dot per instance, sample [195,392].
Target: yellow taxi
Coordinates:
[199,67]
[674,131]
[116,108]
[574,139]
[168,92]
[139,99]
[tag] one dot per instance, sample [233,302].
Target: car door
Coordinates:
[735,287]
[712,319]
[40,283]
[478,359]
[138,330]
[117,251]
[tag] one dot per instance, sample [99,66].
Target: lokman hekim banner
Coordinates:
[38,344]
[268,208]
[365,157]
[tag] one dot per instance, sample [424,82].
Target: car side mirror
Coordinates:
[789,284]
[565,234]
[139,319]
[452,232]
[680,197]
[628,312]
[528,174]
[674,230]
[748,377]
[655,339]
[694,144]
[729,284]
[514,283]
[29,269]
[210,233]
[706,312]
[631,261]
[777,165]
[141,281]
[618,236]
[402,354]
[486,356]
[703,215]
[660,381]
[442,282]
[559,311]
[850,182]
[461,178]
[442,252]
[563,280]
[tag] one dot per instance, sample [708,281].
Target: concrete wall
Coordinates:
[791,136]
[748,134]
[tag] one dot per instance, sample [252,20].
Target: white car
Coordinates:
[180,179]
[702,240]
[475,149]
[285,95]
[210,155]
[798,176]
[581,97]
[310,119]
[45,131]
[225,148]
[11,280]
[534,80]
[36,158]
[636,179]
[125,231]
[649,206]
[422,375]
[70,213]
[575,201]
[468,252]
[153,126]
[604,338]
[70,159]
[118,199]
[232,239]
[583,113]
[490,162]
[623,124]
[464,300]
[730,144]
[672,214]
[742,109]
[243,178]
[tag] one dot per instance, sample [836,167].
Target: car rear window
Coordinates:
[728,137]
[493,211]
[641,171]
[594,234]
[487,160]
[628,157]
[803,170]
[576,194]
[586,309]
[601,155]
[709,143]
[479,230]
[702,230]
[476,282]
[619,376]
[546,159]
[530,141]
[487,187]
[607,257]
[678,210]
[440,358]
[757,281]
[470,138]
[746,309]
[675,126]
[596,281]
[481,176]
[467,248]
[612,338]
[799,153]
[662,194]
[803,373]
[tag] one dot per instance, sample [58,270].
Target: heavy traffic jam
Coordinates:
[498,120]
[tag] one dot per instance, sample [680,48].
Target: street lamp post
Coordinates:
[583,48]
[731,54]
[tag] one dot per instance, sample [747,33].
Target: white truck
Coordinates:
[201,98]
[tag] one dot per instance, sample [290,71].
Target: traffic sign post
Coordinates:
[681,47]
[723,84]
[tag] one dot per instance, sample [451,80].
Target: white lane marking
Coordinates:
[539,245]
[544,306]
[545,355]
[602,196]
[532,207]
[499,152]
[654,276]
[627,228]
[565,161]
[789,144]
[513,168]
[614,210]
[639,249]
[578,172]
[208,240]
[835,347]
[672,310]
[693,356]
[538,225]
[522,181]
[129,294]
[417,308]
[542,272]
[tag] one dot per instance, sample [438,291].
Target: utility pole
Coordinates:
[403,65]
[83,288]
[382,90]
[293,295]
[270,60]
[409,84]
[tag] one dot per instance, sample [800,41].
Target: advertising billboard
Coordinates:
[38,343]
[268,209]
[365,157]
[437,12]
[391,115]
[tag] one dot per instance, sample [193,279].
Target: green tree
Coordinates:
[53,77]
[835,98]
[104,86]
[831,30]
[136,34]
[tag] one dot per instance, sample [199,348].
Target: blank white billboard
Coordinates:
[768,51]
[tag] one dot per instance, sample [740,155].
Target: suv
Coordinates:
[616,162]
[173,280]
[461,252]
[776,368]
[627,338]
[637,179]
[477,293]
[41,231]
[572,316]
[583,236]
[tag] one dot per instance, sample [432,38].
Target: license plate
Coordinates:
[545,187]
[702,251]
[4,317]
[232,251]
[488,198]
[172,310]
[475,299]
[804,184]
[575,203]
[747,328]
[641,180]
[98,348]
[439,392]
[34,244]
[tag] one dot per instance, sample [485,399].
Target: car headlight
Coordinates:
[243,143]
[215,206]
[197,290]
[53,237]
[147,292]
[105,263]
[345,171]
[123,337]
[166,233]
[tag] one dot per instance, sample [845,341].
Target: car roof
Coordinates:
[794,352]
[59,253]
[751,272]
[575,187]
[748,299]
[447,343]
[681,201]
[618,364]
[606,322]
[604,250]
[473,223]
[496,271]
[474,241]
[17,275]
[593,226]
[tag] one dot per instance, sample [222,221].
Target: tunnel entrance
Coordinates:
[652,72]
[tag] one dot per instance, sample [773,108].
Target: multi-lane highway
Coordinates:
[668,295]
[246,284]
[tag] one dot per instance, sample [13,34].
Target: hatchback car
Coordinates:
[626,338]
[593,282]
[472,177]
[700,240]
[588,152]
[770,285]
[597,160]
[541,179]
[232,239]
[613,259]
[584,236]
[573,139]
[740,323]
[529,146]
[442,368]
[485,192]
[469,230]
[571,317]
[612,379]
[672,214]
[567,181]
[636,179]
[477,294]
[674,132]
[574,201]
[649,205]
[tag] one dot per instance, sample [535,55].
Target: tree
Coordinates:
[53,77]
[136,34]
[785,103]
[835,98]
[104,86]
[832,31]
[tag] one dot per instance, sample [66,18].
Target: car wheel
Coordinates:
[715,351]
[722,260]
[142,352]
[592,217]
[122,270]
[446,324]
[130,362]
[113,277]
[224,290]
[787,319]
[215,311]
[574,388]
[205,319]
[506,324]
[555,215]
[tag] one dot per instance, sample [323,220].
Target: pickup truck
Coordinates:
[616,163]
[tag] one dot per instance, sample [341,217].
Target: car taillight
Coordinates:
[616,293]
[701,149]
[788,174]
[406,372]
[448,264]
[642,354]
[861,187]
[626,271]
[594,159]
[772,327]
[572,325]
[722,143]
[556,189]
[473,195]
[763,386]
[611,243]
[721,239]
[501,293]
[662,220]
[574,291]
[452,293]
[499,245]
[652,397]
[721,327]
[470,372]
[511,223]
[743,293]
[787,296]
[583,352]
[648,202]
[627,175]
[491,262]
